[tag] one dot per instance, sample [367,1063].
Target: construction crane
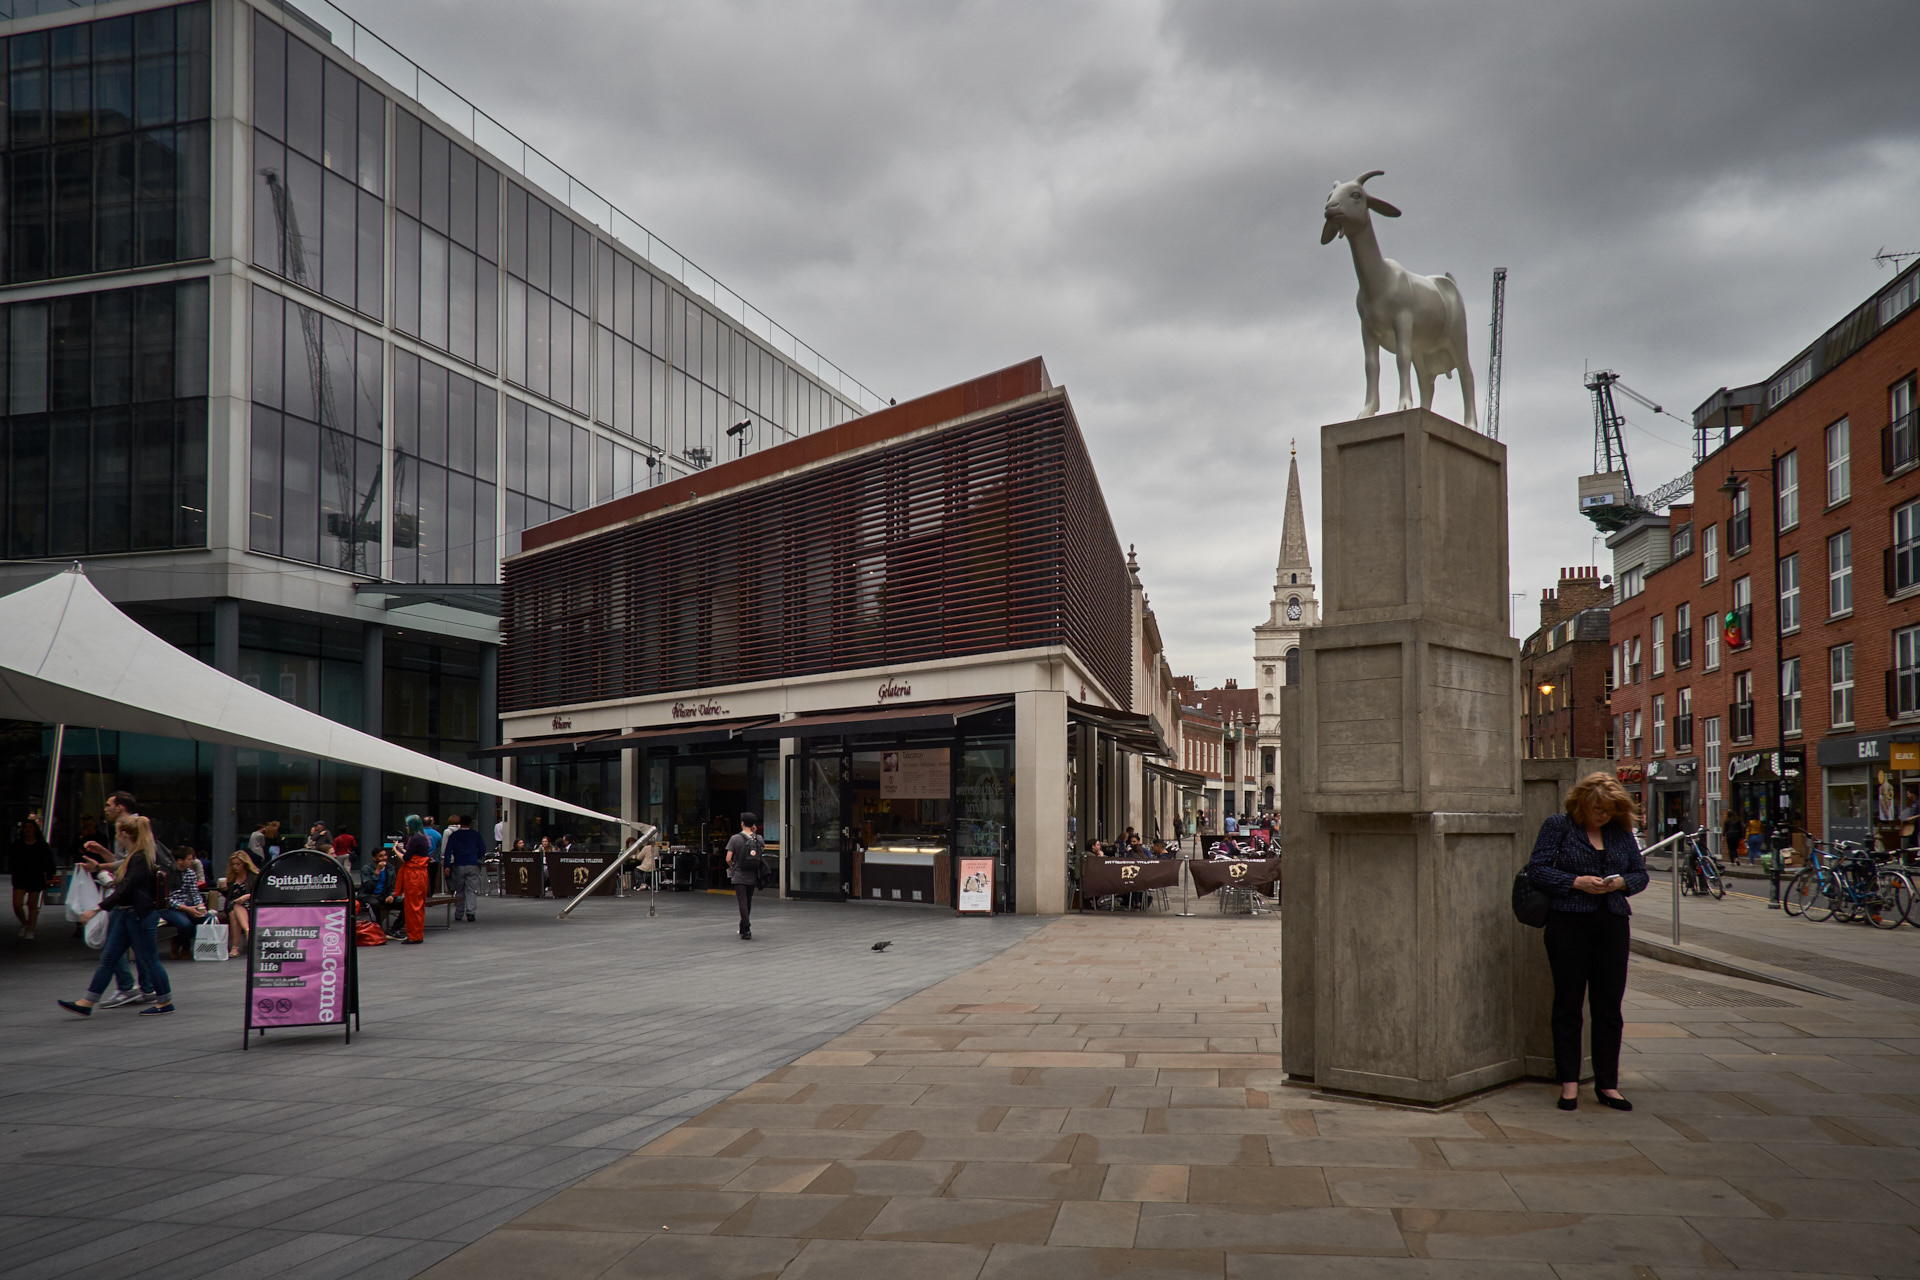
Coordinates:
[1496,344]
[1607,496]
[336,448]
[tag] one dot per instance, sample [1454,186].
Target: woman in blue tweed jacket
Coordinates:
[1589,861]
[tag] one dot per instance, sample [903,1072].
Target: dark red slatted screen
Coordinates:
[988,536]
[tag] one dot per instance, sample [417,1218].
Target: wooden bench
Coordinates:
[447,900]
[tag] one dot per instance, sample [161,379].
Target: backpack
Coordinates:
[754,860]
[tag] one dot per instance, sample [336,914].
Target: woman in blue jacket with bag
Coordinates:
[1589,863]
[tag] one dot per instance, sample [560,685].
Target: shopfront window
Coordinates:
[590,781]
[818,862]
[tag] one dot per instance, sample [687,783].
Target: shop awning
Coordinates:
[68,656]
[674,734]
[1129,728]
[1179,777]
[830,724]
[535,746]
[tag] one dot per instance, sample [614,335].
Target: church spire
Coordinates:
[1294,557]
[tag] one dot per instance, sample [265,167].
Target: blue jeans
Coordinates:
[183,924]
[127,929]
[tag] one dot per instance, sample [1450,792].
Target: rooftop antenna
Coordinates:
[1895,259]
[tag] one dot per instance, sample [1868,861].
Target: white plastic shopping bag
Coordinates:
[96,933]
[210,940]
[83,895]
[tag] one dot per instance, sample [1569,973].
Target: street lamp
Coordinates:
[1733,488]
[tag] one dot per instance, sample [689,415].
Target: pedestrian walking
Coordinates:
[1733,835]
[464,850]
[139,887]
[263,846]
[1590,864]
[413,880]
[31,867]
[746,859]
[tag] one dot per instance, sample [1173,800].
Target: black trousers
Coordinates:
[1588,953]
[743,893]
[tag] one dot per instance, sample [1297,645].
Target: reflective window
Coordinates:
[446,471]
[549,463]
[631,340]
[319,167]
[107,145]
[618,470]
[103,446]
[314,476]
[549,296]
[446,250]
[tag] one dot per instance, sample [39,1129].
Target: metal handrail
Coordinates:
[1675,876]
[639,842]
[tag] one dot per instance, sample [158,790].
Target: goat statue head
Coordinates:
[1348,206]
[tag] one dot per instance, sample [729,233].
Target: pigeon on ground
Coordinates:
[882,946]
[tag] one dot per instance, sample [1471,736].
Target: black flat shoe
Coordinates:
[74,1006]
[1567,1104]
[1618,1104]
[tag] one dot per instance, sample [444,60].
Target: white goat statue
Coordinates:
[1419,318]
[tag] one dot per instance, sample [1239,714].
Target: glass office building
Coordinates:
[297,342]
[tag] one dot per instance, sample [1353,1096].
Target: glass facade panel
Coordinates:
[105,436]
[106,145]
[314,482]
[318,158]
[549,468]
[446,264]
[549,262]
[445,460]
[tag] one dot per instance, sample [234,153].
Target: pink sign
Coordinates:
[299,960]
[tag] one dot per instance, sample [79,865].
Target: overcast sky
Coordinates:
[1688,194]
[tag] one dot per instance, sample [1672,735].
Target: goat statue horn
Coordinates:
[1371,173]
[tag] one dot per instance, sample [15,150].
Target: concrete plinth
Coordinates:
[1407,820]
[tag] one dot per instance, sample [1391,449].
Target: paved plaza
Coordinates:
[498,1064]
[1089,1096]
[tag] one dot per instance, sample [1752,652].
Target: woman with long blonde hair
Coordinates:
[1588,860]
[139,889]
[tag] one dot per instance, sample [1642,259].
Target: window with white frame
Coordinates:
[1900,444]
[1741,709]
[1636,723]
[1899,298]
[1616,670]
[1633,661]
[1682,543]
[1633,582]
[1840,573]
[1786,488]
[1790,696]
[1840,685]
[1659,625]
[1904,568]
[1709,552]
[1789,578]
[1683,635]
[1660,724]
[1710,750]
[1683,720]
[1710,644]
[1904,684]
[1791,379]
[1839,462]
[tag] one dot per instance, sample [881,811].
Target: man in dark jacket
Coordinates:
[463,849]
[744,853]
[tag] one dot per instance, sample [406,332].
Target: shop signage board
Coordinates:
[1904,757]
[976,886]
[520,873]
[917,775]
[1100,877]
[302,967]
[1238,873]
[571,871]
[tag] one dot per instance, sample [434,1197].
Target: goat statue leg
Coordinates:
[1372,349]
[1427,375]
[1403,355]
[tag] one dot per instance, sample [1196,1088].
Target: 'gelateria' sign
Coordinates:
[895,689]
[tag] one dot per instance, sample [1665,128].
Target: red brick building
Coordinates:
[1789,680]
[1567,671]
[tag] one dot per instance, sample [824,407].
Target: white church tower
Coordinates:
[1276,642]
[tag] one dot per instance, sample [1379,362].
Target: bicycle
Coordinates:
[1702,876]
[1844,879]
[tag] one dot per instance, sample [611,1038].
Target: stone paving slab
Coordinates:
[498,1065]
[1148,1139]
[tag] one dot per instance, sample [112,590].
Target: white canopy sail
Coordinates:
[68,656]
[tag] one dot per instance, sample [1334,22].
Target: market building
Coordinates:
[903,641]
[1769,631]
[299,340]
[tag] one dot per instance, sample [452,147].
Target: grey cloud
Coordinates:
[1688,193]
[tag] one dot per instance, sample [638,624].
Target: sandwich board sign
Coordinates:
[302,969]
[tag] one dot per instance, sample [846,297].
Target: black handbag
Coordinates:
[1530,904]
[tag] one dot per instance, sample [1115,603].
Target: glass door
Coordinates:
[818,866]
[687,821]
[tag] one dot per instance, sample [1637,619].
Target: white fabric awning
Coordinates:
[68,656]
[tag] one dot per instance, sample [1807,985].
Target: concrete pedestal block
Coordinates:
[1406,738]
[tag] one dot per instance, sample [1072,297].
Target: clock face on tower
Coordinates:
[1293,610]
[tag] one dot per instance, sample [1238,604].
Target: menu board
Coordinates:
[916,775]
[976,886]
[298,966]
